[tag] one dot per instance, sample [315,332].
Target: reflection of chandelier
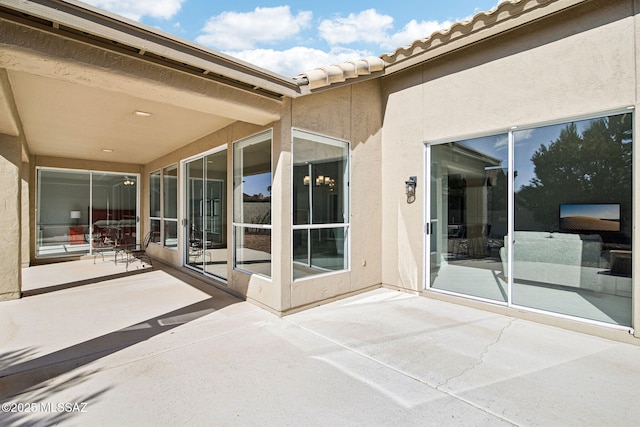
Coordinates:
[320,181]
[128,181]
[325,180]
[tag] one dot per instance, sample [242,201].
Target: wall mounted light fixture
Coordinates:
[410,188]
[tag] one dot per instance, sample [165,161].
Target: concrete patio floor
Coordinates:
[159,348]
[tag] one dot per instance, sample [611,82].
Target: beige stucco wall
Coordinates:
[578,63]
[25,215]
[14,193]
[351,113]
[10,216]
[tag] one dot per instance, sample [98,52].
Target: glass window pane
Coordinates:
[573,218]
[78,210]
[194,177]
[253,250]
[155,231]
[170,234]
[320,178]
[170,191]
[207,213]
[301,246]
[114,206]
[328,249]
[62,213]
[154,194]
[318,251]
[469,211]
[252,203]
[252,180]
[215,215]
[301,194]
[329,193]
[320,196]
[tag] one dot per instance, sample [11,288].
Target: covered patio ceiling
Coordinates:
[76,82]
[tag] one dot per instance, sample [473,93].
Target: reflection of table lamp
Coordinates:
[75,216]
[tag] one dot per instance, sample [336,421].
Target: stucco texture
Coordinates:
[568,65]
[351,113]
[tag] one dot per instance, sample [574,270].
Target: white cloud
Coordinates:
[240,31]
[525,134]
[502,143]
[414,31]
[366,26]
[136,9]
[369,26]
[238,34]
[296,60]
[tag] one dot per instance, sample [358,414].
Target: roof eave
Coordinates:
[116,30]
[505,17]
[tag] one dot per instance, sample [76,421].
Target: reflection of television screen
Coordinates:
[590,217]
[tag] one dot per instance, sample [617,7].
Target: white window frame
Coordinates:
[510,131]
[162,218]
[250,140]
[346,225]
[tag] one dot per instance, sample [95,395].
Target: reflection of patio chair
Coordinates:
[138,251]
[470,240]
[108,240]
[198,249]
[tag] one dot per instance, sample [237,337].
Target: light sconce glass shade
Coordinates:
[410,188]
[307,180]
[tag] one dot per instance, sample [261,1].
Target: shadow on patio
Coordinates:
[26,369]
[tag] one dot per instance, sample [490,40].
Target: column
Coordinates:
[10,217]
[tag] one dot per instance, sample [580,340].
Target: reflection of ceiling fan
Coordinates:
[128,181]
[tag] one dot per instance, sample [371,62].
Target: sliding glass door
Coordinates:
[573,218]
[206,214]
[75,209]
[539,218]
[468,223]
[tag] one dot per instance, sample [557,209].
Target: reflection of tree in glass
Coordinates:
[592,167]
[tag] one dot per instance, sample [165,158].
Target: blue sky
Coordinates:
[289,37]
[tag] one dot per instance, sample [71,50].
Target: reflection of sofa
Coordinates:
[574,260]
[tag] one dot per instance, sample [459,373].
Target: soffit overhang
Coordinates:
[77,20]
[71,91]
